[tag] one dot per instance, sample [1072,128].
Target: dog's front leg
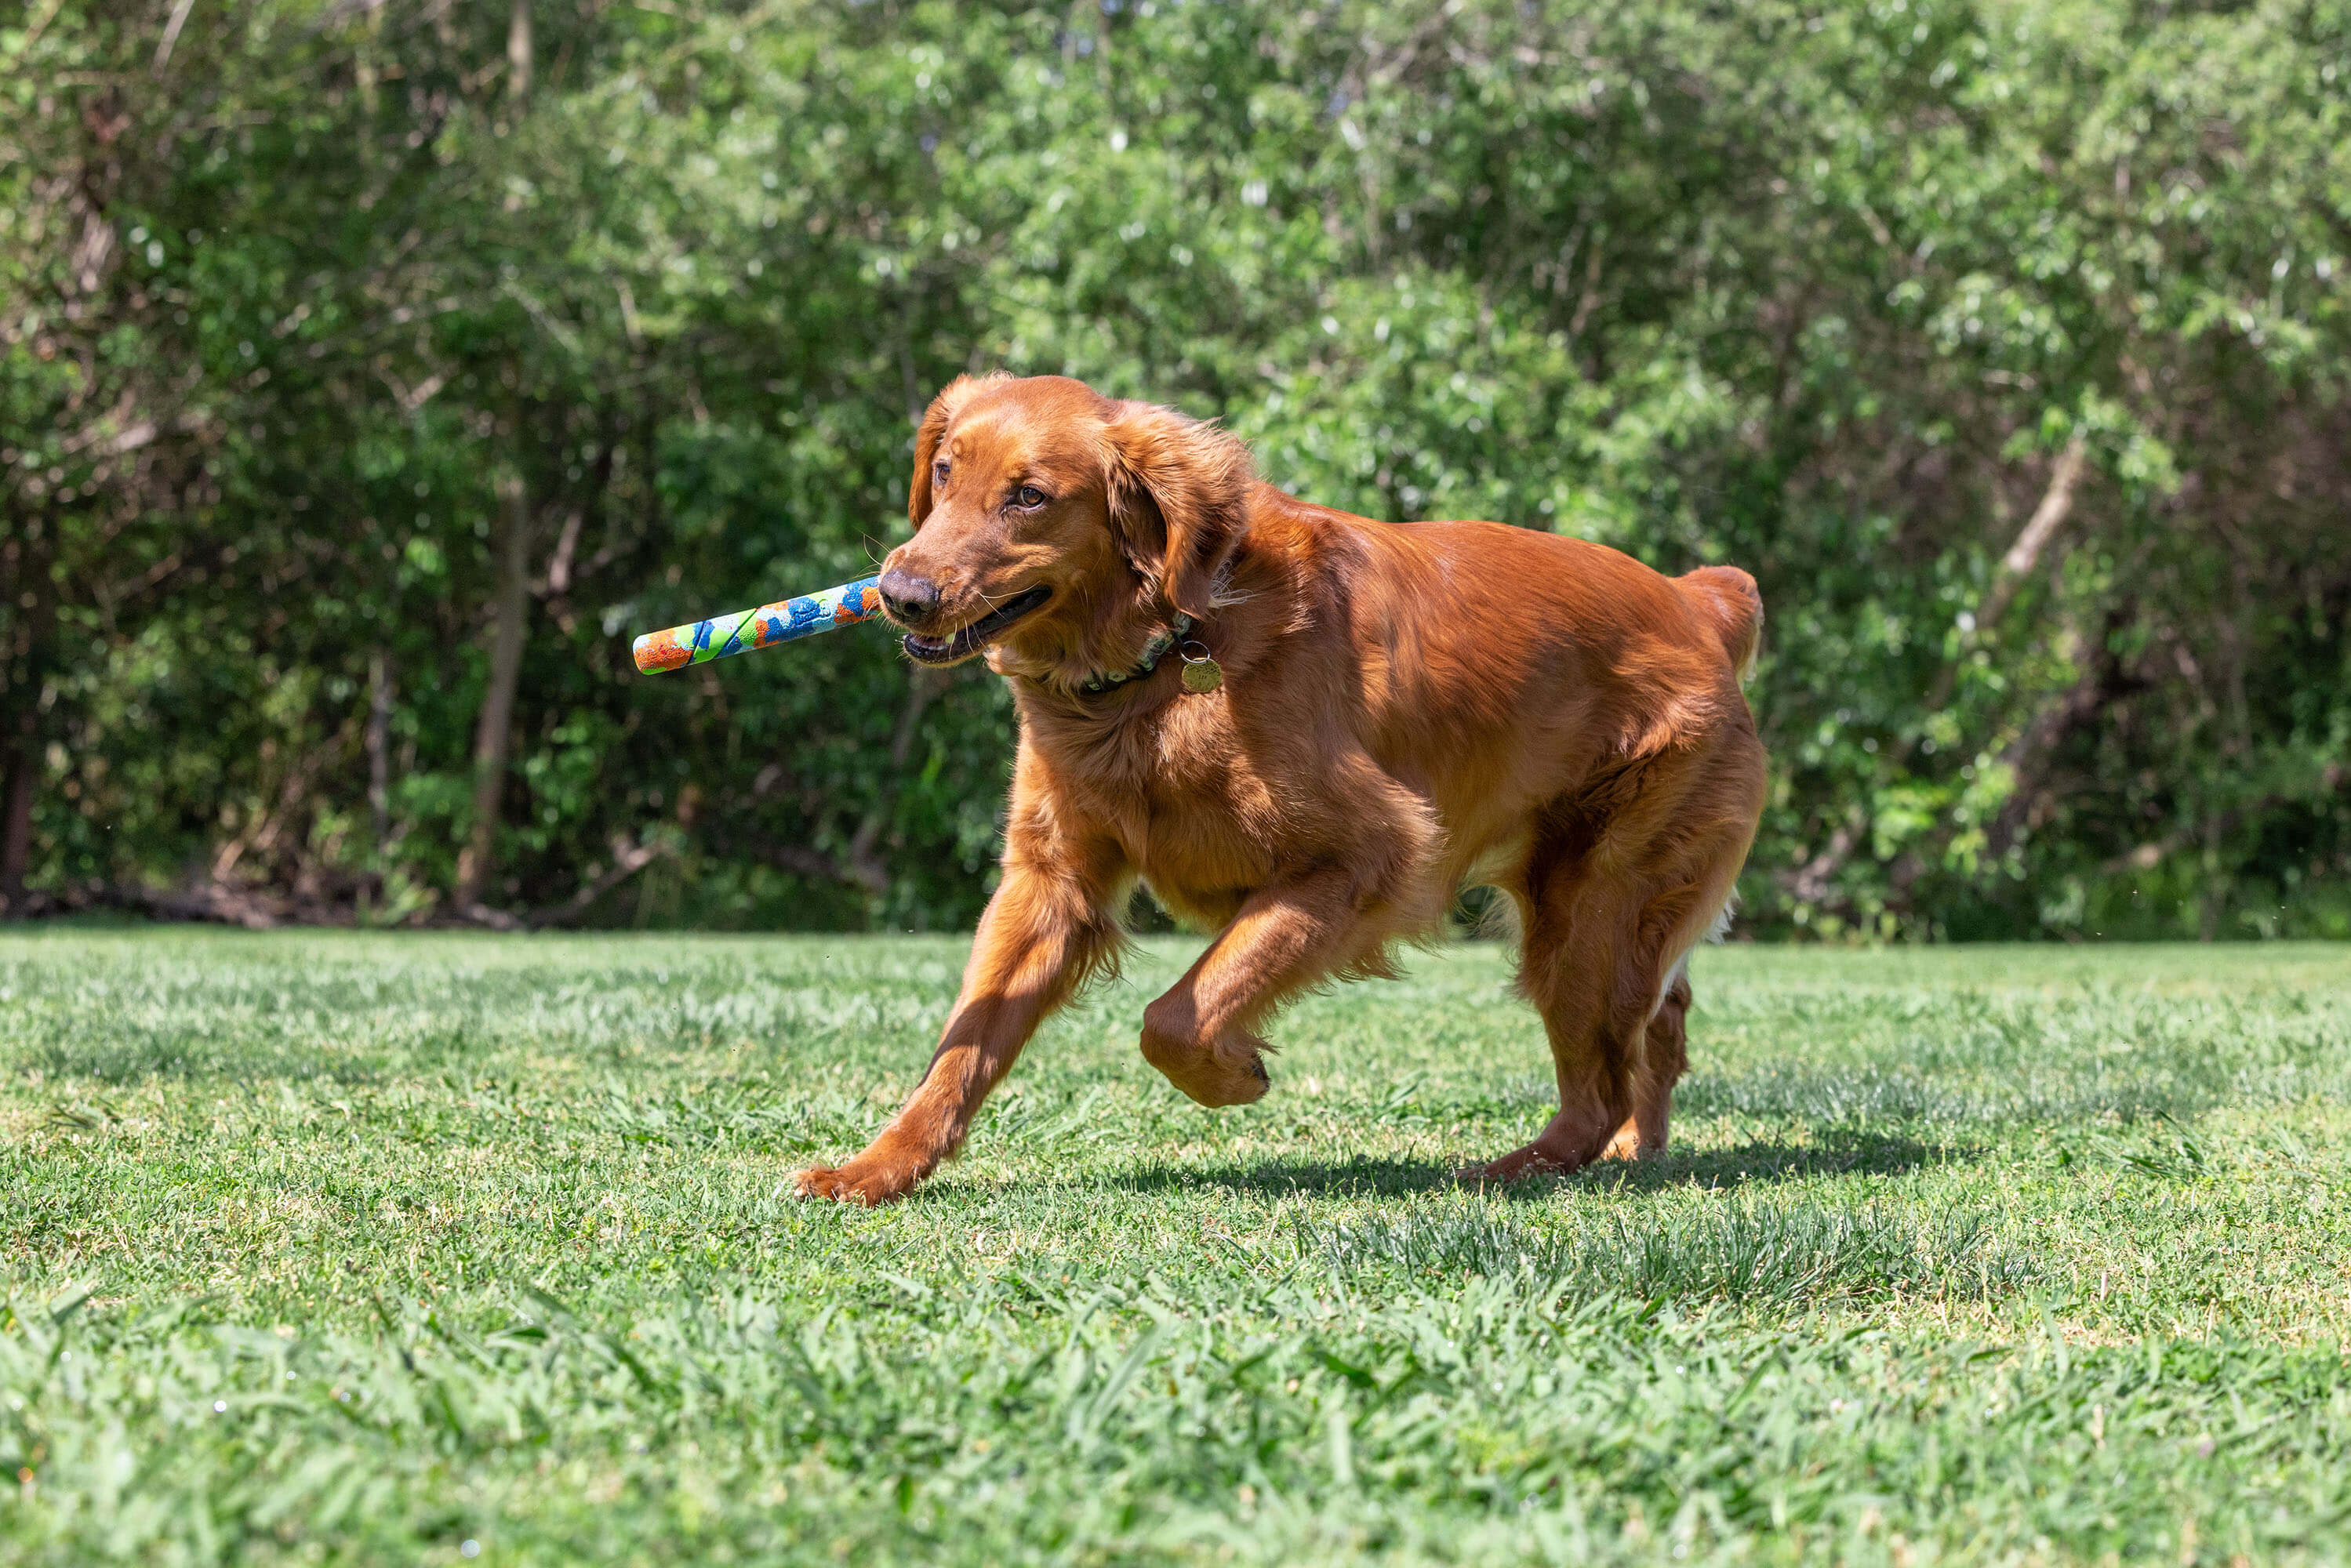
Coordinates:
[1286,937]
[1048,927]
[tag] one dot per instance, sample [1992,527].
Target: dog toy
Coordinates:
[786,621]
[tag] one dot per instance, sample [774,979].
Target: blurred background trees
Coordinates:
[370,371]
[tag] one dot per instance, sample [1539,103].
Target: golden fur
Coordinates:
[1406,709]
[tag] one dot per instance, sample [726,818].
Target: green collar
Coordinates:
[1155,650]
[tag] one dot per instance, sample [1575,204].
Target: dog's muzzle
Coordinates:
[962,644]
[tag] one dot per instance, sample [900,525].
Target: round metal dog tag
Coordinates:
[1202,675]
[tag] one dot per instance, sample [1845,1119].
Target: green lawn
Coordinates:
[402,1249]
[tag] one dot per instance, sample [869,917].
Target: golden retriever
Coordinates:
[1308,731]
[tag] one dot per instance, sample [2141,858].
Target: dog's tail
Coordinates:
[1726,596]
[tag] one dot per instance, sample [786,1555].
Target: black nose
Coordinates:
[908,598]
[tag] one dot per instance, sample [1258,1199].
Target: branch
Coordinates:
[180,10]
[213,903]
[627,861]
[801,860]
[2100,687]
[2154,852]
[2056,504]
[96,431]
[130,439]
[1809,882]
[40,25]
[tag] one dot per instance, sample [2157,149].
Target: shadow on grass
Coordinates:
[1832,1154]
[138,1057]
[1872,1154]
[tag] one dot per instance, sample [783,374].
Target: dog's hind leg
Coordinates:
[1645,1133]
[1666,1057]
[1623,883]
[1592,965]
[1609,927]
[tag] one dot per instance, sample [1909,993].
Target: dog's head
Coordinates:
[1050,521]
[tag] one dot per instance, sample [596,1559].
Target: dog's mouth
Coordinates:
[962,644]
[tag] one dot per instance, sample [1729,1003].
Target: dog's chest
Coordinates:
[1187,801]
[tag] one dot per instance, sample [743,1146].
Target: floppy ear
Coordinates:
[1178,494]
[934,430]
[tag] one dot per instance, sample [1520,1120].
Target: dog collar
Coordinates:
[1200,674]
[1159,648]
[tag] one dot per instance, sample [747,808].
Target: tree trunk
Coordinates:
[33,597]
[23,760]
[510,588]
[379,748]
[519,54]
[509,608]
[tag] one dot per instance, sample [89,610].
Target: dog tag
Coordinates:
[1203,676]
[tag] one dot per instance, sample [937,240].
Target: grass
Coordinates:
[408,1249]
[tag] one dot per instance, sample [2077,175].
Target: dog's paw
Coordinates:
[847,1184]
[1229,1072]
[1629,1143]
[1521,1164]
[1227,1078]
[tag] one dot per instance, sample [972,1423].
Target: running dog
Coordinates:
[1308,731]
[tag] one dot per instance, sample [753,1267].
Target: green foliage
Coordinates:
[1836,292]
[356,1248]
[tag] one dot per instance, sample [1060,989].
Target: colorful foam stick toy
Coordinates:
[786,621]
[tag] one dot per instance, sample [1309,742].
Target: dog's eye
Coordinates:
[1028,495]
[939,476]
